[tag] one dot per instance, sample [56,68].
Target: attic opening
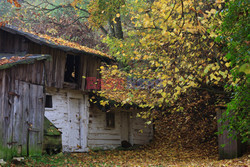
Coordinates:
[72,68]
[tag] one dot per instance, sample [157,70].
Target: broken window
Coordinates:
[48,101]
[72,69]
[110,120]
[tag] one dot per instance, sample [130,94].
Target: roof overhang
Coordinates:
[21,59]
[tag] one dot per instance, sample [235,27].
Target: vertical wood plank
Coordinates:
[35,120]
[228,148]
[84,71]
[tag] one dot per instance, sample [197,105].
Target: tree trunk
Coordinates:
[118,28]
[111,28]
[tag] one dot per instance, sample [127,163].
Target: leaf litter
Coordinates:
[181,139]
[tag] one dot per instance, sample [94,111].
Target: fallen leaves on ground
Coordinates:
[144,156]
[181,139]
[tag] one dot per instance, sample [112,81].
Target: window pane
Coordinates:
[110,120]
[48,101]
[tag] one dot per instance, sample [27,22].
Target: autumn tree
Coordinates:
[174,47]
[168,52]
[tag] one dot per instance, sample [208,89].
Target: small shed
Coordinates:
[229,148]
[22,85]
[83,126]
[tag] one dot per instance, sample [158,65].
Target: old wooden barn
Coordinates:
[83,126]
[22,90]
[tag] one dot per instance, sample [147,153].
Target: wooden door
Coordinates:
[74,123]
[35,120]
[77,124]
[28,115]
[125,126]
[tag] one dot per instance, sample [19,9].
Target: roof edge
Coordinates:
[41,40]
[30,60]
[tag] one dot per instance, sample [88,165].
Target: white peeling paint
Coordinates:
[84,127]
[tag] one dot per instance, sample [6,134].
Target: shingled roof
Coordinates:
[10,60]
[53,42]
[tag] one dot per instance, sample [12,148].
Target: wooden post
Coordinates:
[228,148]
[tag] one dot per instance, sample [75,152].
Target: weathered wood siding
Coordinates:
[54,68]
[28,114]
[21,110]
[14,43]
[8,96]
[5,118]
[228,148]
[70,115]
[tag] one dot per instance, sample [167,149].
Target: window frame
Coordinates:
[51,98]
[110,120]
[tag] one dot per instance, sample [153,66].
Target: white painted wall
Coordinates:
[99,135]
[127,127]
[84,127]
[70,115]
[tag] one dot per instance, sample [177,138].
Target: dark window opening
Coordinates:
[48,101]
[110,120]
[72,69]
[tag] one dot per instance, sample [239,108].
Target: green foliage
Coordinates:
[235,33]
[118,47]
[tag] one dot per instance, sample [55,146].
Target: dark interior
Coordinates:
[72,69]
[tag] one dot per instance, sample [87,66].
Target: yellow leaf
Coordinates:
[163,94]
[140,10]
[213,11]
[176,69]
[227,64]
[170,82]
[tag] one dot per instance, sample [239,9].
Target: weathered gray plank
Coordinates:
[228,148]
[35,120]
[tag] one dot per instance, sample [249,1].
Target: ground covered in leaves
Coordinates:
[181,139]
[146,156]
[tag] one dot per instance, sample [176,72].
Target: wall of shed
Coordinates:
[107,138]
[14,43]
[54,68]
[61,113]
[99,135]
[5,118]
[18,85]
[96,135]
